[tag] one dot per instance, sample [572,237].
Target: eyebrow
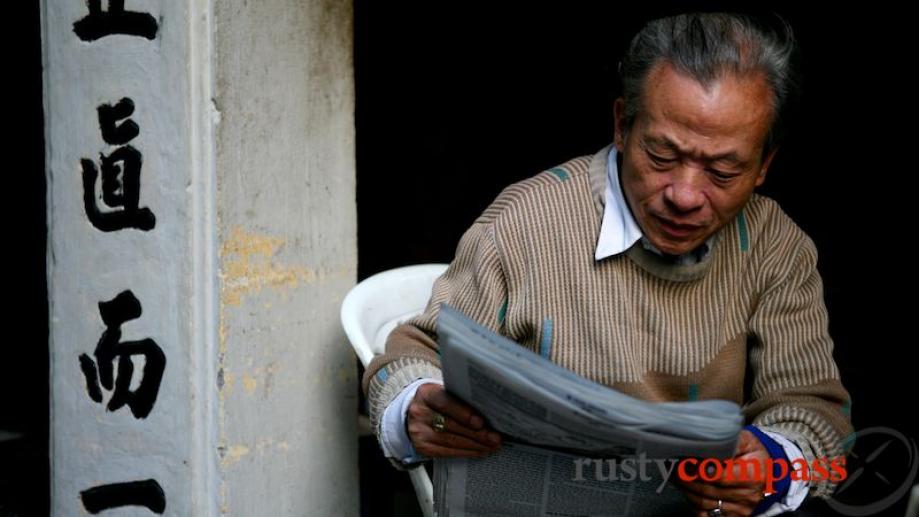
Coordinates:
[730,156]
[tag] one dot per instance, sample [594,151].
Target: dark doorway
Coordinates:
[24,386]
[456,100]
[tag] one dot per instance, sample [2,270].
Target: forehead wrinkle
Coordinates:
[663,140]
[713,103]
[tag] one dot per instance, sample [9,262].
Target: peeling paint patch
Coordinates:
[249,383]
[231,455]
[229,380]
[224,507]
[251,380]
[248,267]
[222,333]
[234,454]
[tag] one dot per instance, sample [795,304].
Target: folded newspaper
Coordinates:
[565,436]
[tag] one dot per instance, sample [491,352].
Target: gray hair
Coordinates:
[706,47]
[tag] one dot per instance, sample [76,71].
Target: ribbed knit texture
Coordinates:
[636,322]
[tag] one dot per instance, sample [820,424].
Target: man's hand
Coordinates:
[464,434]
[739,494]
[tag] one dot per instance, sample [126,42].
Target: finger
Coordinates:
[741,496]
[735,481]
[748,443]
[437,398]
[420,431]
[433,450]
[461,418]
[704,505]
[455,441]
[421,418]
[718,492]
[484,436]
[739,477]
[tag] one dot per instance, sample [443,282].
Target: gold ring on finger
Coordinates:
[439,422]
[717,511]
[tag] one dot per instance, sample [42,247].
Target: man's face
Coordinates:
[693,156]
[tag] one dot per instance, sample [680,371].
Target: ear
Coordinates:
[761,177]
[619,112]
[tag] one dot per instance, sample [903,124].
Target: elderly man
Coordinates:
[651,267]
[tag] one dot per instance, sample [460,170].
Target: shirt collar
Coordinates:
[619,231]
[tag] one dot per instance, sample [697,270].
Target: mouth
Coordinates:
[677,230]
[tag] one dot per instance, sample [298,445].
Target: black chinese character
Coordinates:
[109,115]
[146,493]
[98,23]
[120,175]
[124,307]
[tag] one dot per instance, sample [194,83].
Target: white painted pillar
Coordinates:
[287,225]
[202,234]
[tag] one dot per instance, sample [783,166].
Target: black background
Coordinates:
[457,100]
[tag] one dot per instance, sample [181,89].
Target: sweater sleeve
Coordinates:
[796,389]
[474,283]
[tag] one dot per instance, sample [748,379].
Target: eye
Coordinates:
[660,160]
[722,177]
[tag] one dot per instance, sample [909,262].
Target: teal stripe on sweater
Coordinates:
[502,312]
[742,231]
[693,392]
[545,342]
[561,173]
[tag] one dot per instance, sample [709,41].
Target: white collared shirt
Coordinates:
[618,229]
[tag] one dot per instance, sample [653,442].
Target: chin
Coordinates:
[675,249]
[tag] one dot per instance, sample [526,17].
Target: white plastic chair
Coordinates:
[369,313]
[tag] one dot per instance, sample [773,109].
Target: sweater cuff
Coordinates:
[391,379]
[782,482]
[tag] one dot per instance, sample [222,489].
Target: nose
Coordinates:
[684,192]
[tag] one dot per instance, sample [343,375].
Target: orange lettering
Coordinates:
[770,473]
[838,466]
[802,471]
[743,463]
[681,469]
[819,471]
[717,470]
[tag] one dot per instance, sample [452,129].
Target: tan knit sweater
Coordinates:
[635,322]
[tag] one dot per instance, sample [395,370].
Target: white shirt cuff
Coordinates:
[799,487]
[393,436]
